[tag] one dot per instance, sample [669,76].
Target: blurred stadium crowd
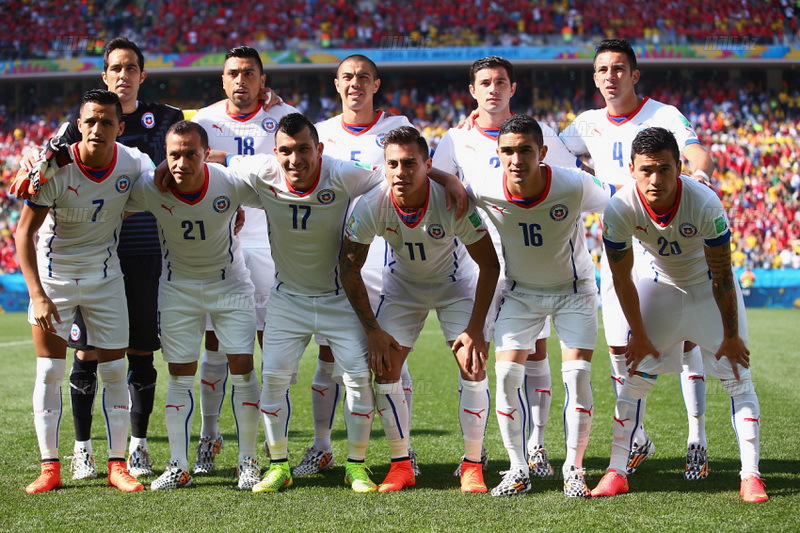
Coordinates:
[751,134]
[35,28]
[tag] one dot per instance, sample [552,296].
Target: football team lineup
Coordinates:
[352,233]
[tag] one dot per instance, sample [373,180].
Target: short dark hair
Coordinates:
[404,135]
[102,97]
[523,125]
[185,127]
[491,62]
[294,123]
[125,44]
[246,52]
[616,45]
[359,57]
[654,140]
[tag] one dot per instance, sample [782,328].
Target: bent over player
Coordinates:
[75,264]
[423,273]
[691,295]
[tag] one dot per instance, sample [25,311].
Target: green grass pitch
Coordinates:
[660,499]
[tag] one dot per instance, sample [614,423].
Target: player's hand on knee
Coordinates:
[379,351]
[637,350]
[475,351]
[737,353]
[44,313]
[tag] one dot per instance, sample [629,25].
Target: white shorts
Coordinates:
[262,275]
[293,319]
[372,274]
[672,315]
[102,303]
[614,323]
[494,309]
[522,317]
[183,306]
[405,305]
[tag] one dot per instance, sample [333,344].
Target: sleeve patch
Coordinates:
[352,227]
[597,182]
[364,165]
[720,224]
[475,219]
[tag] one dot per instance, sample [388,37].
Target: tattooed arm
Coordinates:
[723,287]
[379,342]
[639,344]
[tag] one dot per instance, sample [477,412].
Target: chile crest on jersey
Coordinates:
[148,120]
[559,212]
[221,204]
[326,196]
[436,231]
[269,125]
[687,230]
[380,140]
[123,184]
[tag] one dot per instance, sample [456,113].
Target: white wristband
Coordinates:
[702,174]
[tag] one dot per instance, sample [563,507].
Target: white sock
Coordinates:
[82,445]
[178,414]
[408,389]
[116,401]
[276,409]
[325,394]
[136,442]
[619,372]
[511,411]
[358,414]
[473,414]
[245,396]
[213,380]
[538,395]
[627,416]
[578,405]
[47,404]
[693,387]
[390,402]
[746,417]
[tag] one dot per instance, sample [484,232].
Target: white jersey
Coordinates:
[366,146]
[608,141]
[544,245]
[78,239]
[423,247]
[471,154]
[244,135]
[197,235]
[676,240]
[306,227]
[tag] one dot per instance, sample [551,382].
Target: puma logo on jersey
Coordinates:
[214,126]
[499,209]
[168,208]
[275,192]
[74,189]
[393,230]
[644,229]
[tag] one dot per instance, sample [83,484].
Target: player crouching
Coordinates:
[692,295]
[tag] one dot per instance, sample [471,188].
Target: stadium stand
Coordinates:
[168,27]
